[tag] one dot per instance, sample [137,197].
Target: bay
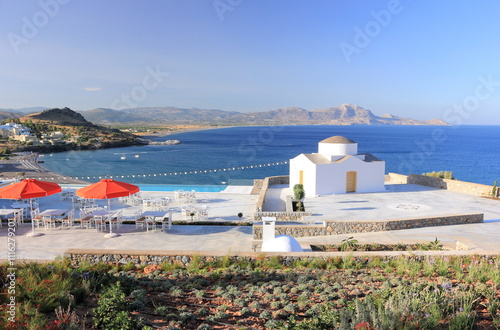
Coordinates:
[217,155]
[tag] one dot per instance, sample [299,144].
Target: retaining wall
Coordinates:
[452,185]
[336,227]
[269,181]
[146,257]
[282,216]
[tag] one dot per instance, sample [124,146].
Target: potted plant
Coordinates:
[298,195]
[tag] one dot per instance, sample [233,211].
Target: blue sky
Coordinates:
[418,59]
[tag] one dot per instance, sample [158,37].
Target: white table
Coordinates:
[54,212]
[7,212]
[21,206]
[158,216]
[103,213]
[106,215]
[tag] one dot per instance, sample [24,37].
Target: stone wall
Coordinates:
[269,181]
[184,258]
[336,227]
[452,185]
[396,178]
[282,216]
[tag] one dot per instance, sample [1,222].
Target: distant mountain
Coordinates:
[162,115]
[25,110]
[7,114]
[346,114]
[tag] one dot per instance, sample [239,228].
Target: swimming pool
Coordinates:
[170,187]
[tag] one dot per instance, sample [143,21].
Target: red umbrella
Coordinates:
[106,189]
[28,189]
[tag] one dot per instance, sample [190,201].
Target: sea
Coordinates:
[238,155]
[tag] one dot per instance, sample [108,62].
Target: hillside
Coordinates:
[346,114]
[60,117]
[7,114]
[78,132]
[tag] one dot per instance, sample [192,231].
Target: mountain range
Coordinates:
[346,114]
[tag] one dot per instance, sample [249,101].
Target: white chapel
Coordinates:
[337,168]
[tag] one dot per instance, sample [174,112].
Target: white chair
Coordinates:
[36,218]
[68,220]
[99,222]
[48,222]
[116,220]
[185,213]
[150,222]
[202,214]
[85,218]
[166,222]
[139,220]
[17,217]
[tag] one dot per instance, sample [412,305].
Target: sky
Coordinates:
[418,59]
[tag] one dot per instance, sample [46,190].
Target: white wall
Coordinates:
[332,177]
[301,163]
[337,149]
[327,179]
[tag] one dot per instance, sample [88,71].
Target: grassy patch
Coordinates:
[404,292]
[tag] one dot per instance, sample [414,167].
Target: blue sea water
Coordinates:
[471,152]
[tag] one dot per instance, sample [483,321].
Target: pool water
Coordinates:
[169,187]
[173,187]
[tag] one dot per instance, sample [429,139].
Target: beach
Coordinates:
[26,166]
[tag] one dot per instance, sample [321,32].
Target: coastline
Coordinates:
[14,168]
[192,128]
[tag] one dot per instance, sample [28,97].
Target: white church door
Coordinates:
[301,177]
[351,178]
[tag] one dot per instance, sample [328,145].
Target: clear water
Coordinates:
[471,152]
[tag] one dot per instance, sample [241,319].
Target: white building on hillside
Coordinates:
[11,129]
[337,168]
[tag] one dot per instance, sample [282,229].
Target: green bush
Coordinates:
[441,174]
[113,310]
[298,195]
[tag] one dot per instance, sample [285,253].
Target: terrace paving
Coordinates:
[224,206]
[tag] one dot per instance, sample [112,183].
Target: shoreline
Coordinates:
[27,167]
[14,167]
[194,128]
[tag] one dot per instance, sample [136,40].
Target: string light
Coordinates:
[175,173]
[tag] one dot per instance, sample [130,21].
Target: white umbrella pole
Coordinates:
[111,234]
[32,234]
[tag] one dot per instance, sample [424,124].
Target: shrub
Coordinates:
[245,311]
[112,311]
[298,195]
[265,315]
[441,174]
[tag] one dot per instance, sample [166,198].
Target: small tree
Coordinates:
[494,190]
[298,195]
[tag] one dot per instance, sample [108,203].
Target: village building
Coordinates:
[337,168]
